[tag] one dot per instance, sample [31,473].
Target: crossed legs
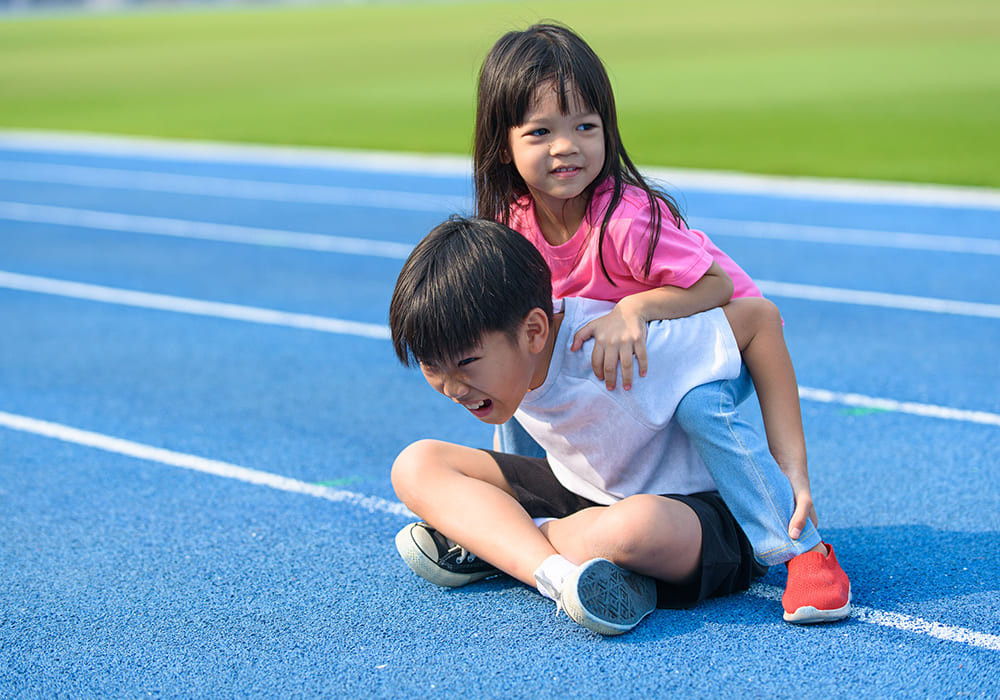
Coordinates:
[462,493]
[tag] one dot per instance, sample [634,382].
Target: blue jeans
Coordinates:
[736,454]
[514,440]
[749,480]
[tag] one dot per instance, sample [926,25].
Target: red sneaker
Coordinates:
[817,590]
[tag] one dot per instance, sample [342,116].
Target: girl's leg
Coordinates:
[746,474]
[511,438]
[461,493]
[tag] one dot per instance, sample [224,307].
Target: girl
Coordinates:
[549,162]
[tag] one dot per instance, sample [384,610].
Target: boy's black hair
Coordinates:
[518,63]
[466,278]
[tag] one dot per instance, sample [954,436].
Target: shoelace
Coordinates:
[464,554]
[550,590]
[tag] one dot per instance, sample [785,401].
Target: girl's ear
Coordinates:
[505,157]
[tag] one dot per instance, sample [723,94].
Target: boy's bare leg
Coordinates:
[650,535]
[461,493]
[596,564]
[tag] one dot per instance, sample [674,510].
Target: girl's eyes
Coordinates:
[467,361]
[542,131]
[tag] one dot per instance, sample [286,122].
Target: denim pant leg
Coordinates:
[514,440]
[749,480]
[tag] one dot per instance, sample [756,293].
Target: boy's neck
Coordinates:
[545,356]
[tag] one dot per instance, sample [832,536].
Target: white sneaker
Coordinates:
[607,599]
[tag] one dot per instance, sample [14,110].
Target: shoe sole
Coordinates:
[606,598]
[427,568]
[808,615]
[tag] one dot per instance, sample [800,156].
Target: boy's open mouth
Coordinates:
[480,408]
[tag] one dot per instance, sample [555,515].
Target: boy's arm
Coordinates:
[756,324]
[621,334]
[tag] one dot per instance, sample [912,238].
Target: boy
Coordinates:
[623,515]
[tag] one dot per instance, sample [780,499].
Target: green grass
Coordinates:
[884,89]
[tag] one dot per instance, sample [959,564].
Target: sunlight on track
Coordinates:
[373,504]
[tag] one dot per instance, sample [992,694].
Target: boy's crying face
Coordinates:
[490,380]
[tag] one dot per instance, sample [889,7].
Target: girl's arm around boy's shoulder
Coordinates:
[679,267]
[621,335]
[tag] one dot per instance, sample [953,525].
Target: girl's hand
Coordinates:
[618,337]
[804,508]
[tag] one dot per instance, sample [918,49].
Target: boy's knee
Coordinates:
[410,467]
[623,532]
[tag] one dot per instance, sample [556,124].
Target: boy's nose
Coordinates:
[454,389]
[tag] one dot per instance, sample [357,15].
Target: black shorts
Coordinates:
[727,561]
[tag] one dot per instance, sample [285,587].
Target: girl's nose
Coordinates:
[562,146]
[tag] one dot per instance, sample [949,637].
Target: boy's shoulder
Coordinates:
[706,335]
[683,353]
[579,311]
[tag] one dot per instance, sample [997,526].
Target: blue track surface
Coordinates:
[128,575]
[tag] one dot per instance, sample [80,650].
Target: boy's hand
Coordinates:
[618,337]
[804,508]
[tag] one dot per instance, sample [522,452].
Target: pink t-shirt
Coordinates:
[681,258]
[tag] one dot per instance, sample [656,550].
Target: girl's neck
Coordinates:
[559,221]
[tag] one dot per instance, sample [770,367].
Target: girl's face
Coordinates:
[558,155]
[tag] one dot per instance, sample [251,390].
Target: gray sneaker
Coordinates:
[607,599]
[439,560]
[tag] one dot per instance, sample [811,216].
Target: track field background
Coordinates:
[199,408]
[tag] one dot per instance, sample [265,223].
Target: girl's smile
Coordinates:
[558,156]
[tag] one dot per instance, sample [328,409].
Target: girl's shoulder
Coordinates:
[521,214]
[634,205]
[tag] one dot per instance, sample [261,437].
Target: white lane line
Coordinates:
[198,464]
[848,236]
[893,406]
[181,228]
[880,299]
[113,295]
[208,186]
[905,623]
[827,189]
[185,305]
[198,307]
[374,504]
[440,165]
[452,166]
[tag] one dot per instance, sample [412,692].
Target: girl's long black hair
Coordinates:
[516,65]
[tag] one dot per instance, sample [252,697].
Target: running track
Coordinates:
[199,407]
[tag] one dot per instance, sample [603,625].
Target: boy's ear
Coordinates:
[536,329]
